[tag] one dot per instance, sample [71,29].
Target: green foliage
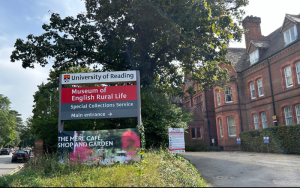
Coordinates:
[202,148]
[159,38]
[161,170]
[283,139]
[10,123]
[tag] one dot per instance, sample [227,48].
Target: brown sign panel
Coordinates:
[38,148]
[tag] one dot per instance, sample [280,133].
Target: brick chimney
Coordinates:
[253,32]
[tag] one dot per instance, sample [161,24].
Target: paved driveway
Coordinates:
[247,169]
[5,164]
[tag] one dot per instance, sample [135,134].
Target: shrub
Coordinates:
[283,139]
[161,169]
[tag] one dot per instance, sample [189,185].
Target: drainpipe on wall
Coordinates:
[237,85]
[274,111]
[208,121]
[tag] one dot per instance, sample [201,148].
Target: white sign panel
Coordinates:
[98,77]
[176,140]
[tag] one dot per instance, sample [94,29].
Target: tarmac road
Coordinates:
[6,166]
[247,169]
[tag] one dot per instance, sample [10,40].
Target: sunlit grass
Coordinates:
[161,169]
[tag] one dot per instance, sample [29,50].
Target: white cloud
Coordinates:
[20,84]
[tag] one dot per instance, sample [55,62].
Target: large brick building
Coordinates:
[264,82]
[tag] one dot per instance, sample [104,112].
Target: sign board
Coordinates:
[78,103]
[99,77]
[274,119]
[212,140]
[99,102]
[176,140]
[100,146]
[266,140]
[238,141]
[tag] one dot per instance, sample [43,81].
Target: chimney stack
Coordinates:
[253,32]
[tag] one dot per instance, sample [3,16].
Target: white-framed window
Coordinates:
[221,128]
[298,113]
[288,76]
[260,87]
[196,132]
[288,116]
[298,71]
[255,118]
[228,95]
[231,126]
[252,90]
[193,133]
[218,98]
[290,35]
[254,56]
[264,120]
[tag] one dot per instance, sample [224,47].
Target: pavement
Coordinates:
[247,169]
[6,167]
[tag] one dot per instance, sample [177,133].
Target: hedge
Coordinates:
[283,139]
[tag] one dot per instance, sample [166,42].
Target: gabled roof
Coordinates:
[292,18]
[177,100]
[238,57]
[260,44]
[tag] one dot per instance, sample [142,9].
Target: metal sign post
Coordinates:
[266,140]
[239,143]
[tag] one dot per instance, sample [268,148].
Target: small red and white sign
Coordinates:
[176,140]
[98,94]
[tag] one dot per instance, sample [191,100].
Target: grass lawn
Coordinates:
[161,170]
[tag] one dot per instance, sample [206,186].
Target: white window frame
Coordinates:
[254,56]
[195,132]
[252,90]
[297,107]
[298,71]
[287,76]
[221,128]
[264,121]
[231,126]
[288,115]
[197,136]
[260,85]
[227,93]
[255,120]
[288,38]
[218,98]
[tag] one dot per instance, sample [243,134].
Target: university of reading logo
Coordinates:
[67,78]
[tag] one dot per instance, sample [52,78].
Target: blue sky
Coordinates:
[18,18]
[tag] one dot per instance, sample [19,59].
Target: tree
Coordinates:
[191,91]
[145,35]
[7,122]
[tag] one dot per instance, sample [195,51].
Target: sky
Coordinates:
[19,18]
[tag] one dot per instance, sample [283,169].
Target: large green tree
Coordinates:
[10,123]
[145,35]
